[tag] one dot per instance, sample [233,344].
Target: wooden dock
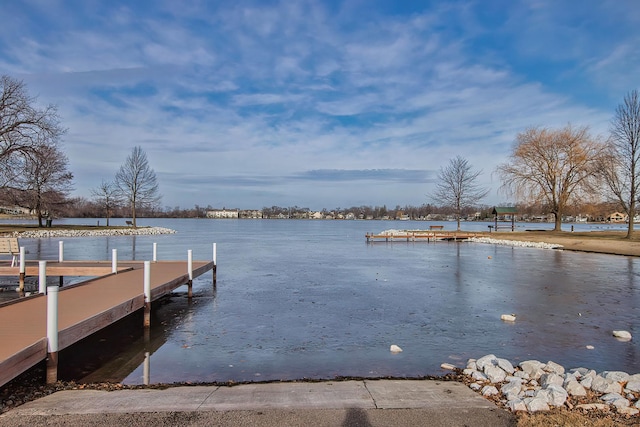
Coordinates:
[83,308]
[421,236]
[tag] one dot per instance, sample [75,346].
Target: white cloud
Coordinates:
[263,92]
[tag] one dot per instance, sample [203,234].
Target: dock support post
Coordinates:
[114,261]
[146,369]
[215,265]
[190,270]
[42,277]
[52,334]
[22,269]
[61,258]
[155,252]
[147,294]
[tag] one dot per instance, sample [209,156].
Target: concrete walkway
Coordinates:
[339,403]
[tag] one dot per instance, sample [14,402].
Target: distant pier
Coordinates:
[419,236]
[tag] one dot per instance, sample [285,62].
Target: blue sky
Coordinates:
[318,104]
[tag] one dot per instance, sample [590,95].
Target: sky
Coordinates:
[317,104]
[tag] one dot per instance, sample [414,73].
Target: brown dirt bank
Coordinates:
[605,242]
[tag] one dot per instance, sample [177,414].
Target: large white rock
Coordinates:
[587,382]
[516,405]
[618,376]
[553,367]
[508,317]
[506,366]
[556,395]
[633,385]
[616,400]
[479,376]
[623,335]
[535,404]
[489,390]
[395,349]
[488,360]
[511,390]
[495,374]
[533,368]
[603,385]
[574,388]
[551,378]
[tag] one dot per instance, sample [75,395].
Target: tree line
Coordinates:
[548,170]
[34,171]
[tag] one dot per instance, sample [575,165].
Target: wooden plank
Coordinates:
[23,360]
[83,329]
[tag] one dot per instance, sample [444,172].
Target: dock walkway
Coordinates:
[83,309]
[417,236]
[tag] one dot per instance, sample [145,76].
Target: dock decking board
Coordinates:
[83,309]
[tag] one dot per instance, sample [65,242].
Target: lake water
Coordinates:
[311,299]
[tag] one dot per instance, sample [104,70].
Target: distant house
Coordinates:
[251,214]
[222,213]
[617,217]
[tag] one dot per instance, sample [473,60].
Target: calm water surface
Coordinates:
[310,299]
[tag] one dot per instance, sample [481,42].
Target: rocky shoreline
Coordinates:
[62,232]
[533,386]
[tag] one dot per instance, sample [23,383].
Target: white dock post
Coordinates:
[61,258]
[52,334]
[42,277]
[147,294]
[155,252]
[215,265]
[23,268]
[146,369]
[190,270]
[114,260]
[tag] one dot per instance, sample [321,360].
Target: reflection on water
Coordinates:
[306,299]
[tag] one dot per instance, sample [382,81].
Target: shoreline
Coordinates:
[40,233]
[600,242]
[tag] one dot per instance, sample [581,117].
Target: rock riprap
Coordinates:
[128,231]
[536,386]
[539,245]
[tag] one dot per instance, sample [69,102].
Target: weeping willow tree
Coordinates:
[552,167]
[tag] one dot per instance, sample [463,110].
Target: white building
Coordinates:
[223,213]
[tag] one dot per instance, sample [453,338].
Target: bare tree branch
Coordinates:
[620,167]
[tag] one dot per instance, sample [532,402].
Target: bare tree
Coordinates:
[620,167]
[44,183]
[107,197]
[137,183]
[551,167]
[23,126]
[457,186]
